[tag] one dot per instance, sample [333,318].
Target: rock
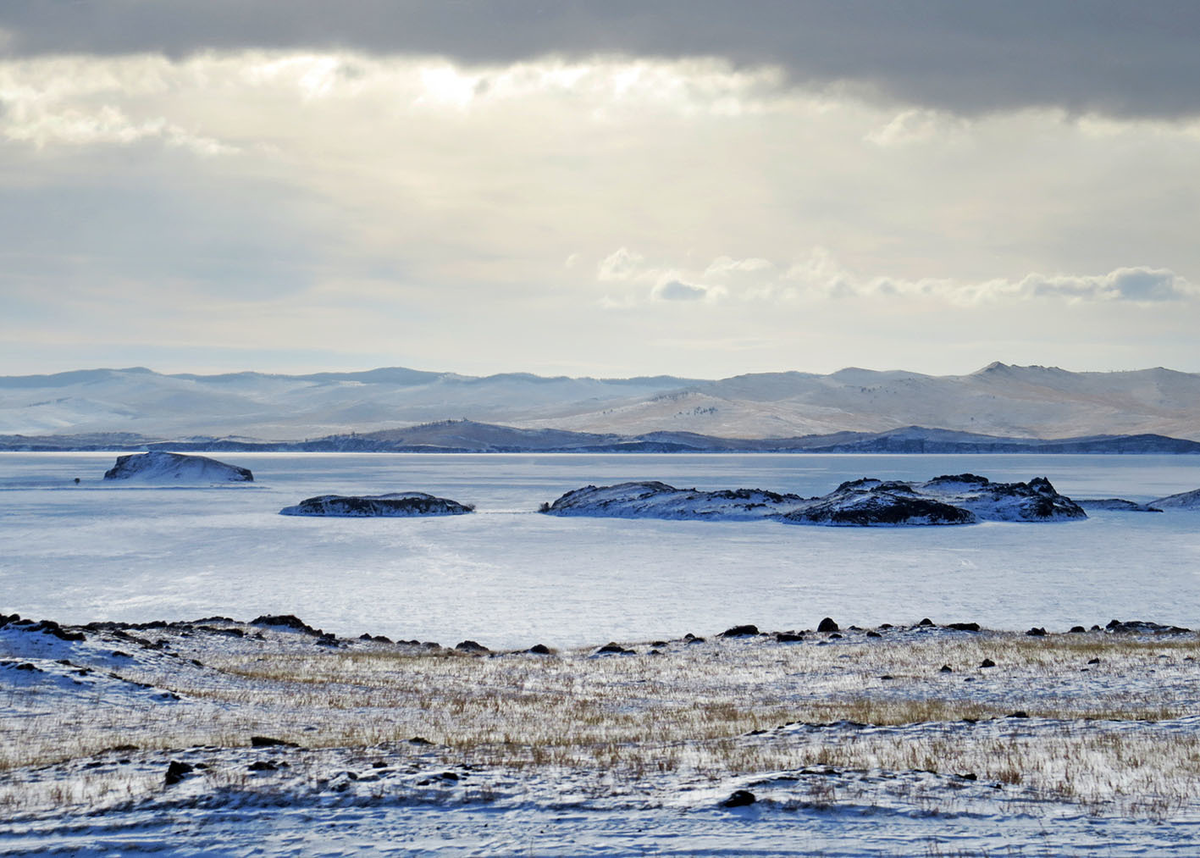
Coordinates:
[539,649]
[419,740]
[286,621]
[946,669]
[49,627]
[1020,713]
[964,627]
[1036,632]
[1075,630]
[613,648]
[740,798]
[1093,661]
[874,635]
[270,742]
[987,662]
[740,632]
[176,772]
[926,622]
[263,766]
[1143,627]
[394,505]
[827,625]
[788,637]
[158,466]
[470,646]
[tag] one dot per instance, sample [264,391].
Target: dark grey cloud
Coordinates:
[1119,57]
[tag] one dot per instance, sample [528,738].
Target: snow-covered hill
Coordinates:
[1033,401]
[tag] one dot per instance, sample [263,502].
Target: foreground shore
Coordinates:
[236,736]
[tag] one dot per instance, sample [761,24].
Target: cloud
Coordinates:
[1123,284]
[621,265]
[677,291]
[1107,56]
[819,276]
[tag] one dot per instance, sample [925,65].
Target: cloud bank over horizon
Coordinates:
[602,188]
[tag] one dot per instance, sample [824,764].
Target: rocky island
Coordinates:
[949,499]
[396,504]
[158,466]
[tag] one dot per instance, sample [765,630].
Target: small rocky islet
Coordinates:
[394,505]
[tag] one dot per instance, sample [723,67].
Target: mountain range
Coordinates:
[1017,403]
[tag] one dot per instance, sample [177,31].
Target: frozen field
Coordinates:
[508,577]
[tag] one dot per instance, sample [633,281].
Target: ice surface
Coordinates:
[509,577]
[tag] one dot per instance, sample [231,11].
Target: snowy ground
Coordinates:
[895,741]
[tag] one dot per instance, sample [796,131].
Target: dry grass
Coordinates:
[695,710]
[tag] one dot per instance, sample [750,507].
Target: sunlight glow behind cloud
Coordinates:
[429,205]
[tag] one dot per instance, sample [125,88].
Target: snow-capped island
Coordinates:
[396,504]
[954,499]
[158,466]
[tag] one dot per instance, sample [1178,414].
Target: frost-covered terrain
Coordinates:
[218,736]
[506,575]
[402,504]
[161,467]
[950,499]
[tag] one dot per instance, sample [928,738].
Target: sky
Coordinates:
[598,187]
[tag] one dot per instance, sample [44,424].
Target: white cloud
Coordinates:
[460,204]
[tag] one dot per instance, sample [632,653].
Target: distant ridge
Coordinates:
[998,400]
[465,436]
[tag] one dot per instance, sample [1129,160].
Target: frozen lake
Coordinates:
[508,577]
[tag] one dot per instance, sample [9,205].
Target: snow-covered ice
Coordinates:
[507,576]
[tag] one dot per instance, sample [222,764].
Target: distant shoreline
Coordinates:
[464,436]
